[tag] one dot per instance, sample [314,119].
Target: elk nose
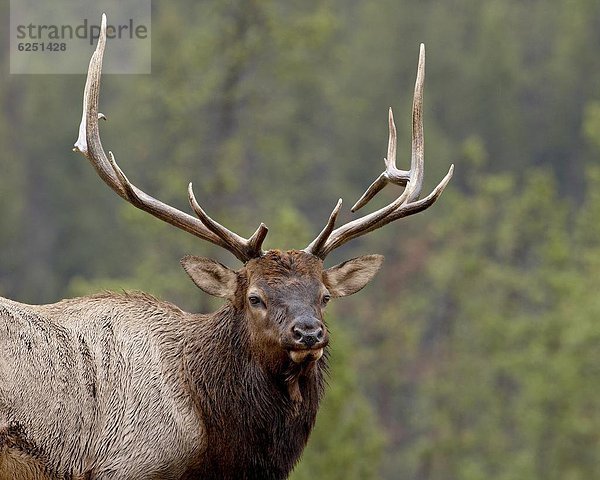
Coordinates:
[308,333]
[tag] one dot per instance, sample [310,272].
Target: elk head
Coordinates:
[282,294]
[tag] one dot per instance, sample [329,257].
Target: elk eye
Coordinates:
[255,300]
[326,299]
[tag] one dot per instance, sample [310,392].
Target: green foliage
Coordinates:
[510,387]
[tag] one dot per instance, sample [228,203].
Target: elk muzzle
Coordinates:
[309,338]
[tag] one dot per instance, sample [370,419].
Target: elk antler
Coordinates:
[89,144]
[407,203]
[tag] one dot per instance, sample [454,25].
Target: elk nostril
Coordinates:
[319,334]
[297,333]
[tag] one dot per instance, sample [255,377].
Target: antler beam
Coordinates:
[407,203]
[88,143]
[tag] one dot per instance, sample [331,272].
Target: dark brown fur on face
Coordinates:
[130,387]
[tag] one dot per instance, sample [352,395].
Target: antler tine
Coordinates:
[318,243]
[415,183]
[249,248]
[391,174]
[407,203]
[89,144]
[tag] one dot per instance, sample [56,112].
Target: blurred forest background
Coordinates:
[475,353]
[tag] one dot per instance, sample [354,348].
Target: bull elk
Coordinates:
[126,386]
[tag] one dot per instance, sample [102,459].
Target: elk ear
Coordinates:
[212,277]
[349,277]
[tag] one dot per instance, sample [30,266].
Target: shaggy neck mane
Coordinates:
[256,418]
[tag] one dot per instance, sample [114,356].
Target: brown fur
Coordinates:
[125,386]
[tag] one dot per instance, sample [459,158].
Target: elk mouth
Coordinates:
[306,345]
[306,355]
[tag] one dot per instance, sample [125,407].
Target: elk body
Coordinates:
[125,386]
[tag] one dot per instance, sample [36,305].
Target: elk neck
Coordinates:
[259,412]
